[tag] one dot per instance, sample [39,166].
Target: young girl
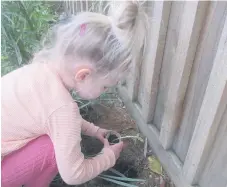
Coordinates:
[41,124]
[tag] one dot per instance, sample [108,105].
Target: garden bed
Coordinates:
[111,114]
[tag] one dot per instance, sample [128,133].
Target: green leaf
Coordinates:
[154,165]
[126,179]
[118,182]
[116,172]
[86,104]
[4,58]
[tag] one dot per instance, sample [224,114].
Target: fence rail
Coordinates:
[178,95]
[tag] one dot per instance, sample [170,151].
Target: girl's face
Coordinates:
[93,85]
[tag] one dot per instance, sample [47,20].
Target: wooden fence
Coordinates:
[73,7]
[178,93]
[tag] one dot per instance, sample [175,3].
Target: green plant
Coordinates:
[23,24]
[116,178]
[120,179]
[85,106]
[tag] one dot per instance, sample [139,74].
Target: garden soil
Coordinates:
[111,114]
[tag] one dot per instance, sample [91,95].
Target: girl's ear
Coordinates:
[82,74]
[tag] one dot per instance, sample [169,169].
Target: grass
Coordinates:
[23,24]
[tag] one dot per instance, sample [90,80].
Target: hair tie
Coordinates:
[83,29]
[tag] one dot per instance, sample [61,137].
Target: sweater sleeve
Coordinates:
[88,128]
[64,129]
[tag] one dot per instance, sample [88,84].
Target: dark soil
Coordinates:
[132,162]
[90,146]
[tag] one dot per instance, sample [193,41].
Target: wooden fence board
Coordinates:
[202,66]
[133,79]
[170,46]
[212,109]
[215,172]
[152,63]
[191,22]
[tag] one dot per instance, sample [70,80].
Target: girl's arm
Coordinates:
[64,128]
[88,128]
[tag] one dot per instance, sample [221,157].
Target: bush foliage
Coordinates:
[23,24]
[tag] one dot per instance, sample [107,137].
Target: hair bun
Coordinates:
[129,22]
[124,14]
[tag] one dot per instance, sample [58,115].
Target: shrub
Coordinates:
[23,24]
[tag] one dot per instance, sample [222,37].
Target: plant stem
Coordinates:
[127,137]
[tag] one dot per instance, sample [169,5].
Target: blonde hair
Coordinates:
[110,42]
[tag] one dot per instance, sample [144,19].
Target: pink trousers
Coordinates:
[34,165]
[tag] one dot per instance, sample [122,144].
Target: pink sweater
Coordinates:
[35,102]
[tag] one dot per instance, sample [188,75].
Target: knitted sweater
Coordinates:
[36,102]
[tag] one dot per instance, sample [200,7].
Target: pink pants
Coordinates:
[34,165]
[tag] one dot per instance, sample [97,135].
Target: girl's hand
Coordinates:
[116,148]
[101,134]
